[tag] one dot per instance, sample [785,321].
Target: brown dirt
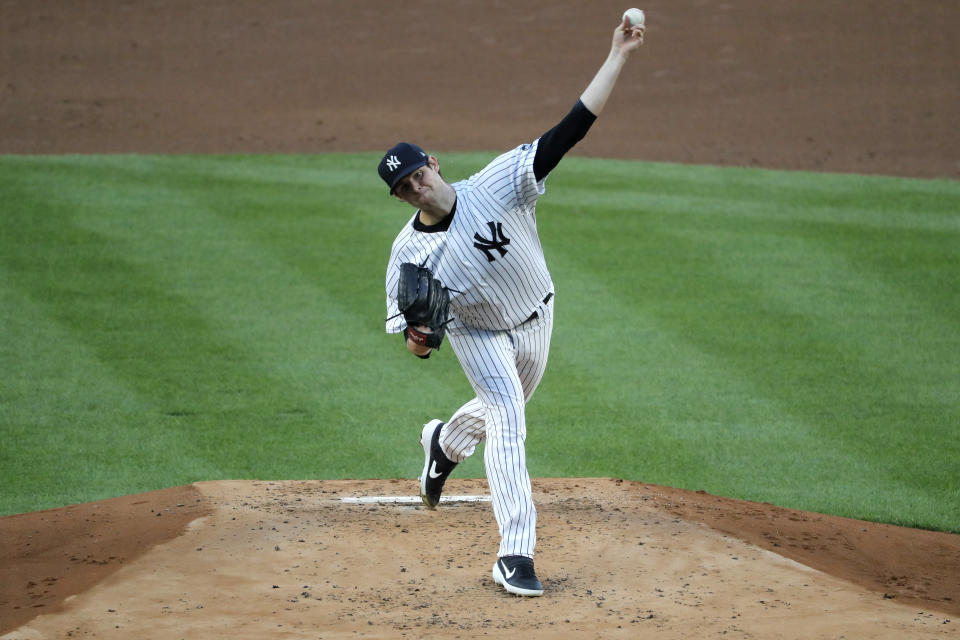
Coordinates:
[818,85]
[866,87]
[618,558]
[50,555]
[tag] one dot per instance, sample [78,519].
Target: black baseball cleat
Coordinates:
[436,466]
[516,575]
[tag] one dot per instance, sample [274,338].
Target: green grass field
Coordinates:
[784,337]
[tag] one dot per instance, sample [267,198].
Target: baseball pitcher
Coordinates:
[469,266]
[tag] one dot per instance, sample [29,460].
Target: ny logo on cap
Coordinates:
[393,163]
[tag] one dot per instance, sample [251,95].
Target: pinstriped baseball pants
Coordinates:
[504,368]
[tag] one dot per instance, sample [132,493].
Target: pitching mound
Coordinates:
[331,559]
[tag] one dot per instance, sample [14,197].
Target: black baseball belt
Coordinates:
[535,315]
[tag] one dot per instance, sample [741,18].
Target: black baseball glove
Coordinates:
[423,301]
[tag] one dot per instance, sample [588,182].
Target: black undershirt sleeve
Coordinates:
[556,142]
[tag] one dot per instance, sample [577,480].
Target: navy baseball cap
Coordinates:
[401,160]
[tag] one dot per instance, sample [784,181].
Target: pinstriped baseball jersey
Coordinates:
[490,256]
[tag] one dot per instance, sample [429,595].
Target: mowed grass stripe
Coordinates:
[117,278]
[781,308]
[157,341]
[166,349]
[713,324]
[258,363]
[74,422]
[336,236]
[840,199]
[694,412]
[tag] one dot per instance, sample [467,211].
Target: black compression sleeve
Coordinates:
[556,142]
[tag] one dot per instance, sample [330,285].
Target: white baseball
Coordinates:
[634,17]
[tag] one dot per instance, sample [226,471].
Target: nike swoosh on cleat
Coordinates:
[433,471]
[507,574]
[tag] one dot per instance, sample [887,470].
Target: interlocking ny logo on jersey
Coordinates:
[497,241]
[393,163]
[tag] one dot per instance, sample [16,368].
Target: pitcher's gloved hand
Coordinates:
[424,302]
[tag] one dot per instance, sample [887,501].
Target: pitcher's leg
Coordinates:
[464,431]
[489,360]
[531,345]
[506,464]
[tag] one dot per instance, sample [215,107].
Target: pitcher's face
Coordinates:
[420,188]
